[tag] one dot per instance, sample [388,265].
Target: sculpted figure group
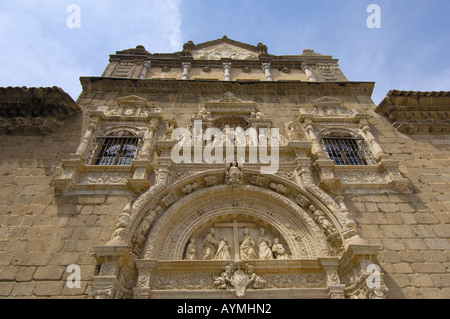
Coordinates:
[249,249]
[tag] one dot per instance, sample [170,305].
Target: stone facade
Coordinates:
[368,221]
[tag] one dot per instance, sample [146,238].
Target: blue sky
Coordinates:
[409,52]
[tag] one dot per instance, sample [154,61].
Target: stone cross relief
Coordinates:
[244,248]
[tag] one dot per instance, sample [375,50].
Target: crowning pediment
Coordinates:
[226,48]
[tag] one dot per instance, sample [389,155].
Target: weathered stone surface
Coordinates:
[58,210]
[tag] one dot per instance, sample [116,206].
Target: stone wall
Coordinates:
[413,229]
[37,242]
[38,239]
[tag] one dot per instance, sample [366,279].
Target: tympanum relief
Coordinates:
[236,240]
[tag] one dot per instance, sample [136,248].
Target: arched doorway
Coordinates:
[168,239]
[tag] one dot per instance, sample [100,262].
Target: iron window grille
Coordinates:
[115,150]
[347,151]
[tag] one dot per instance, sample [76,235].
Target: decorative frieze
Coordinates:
[146,86]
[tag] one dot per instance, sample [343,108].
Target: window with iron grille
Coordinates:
[344,149]
[115,150]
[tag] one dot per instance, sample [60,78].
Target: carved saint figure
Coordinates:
[223,252]
[323,221]
[224,281]
[191,250]
[292,132]
[264,245]
[209,245]
[260,116]
[252,139]
[247,247]
[227,136]
[186,137]
[170,128]
[203,114]
[255,281]
[239,140]
[278,250]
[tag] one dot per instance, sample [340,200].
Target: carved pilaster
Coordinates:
[143,289]
[149,138]
[363,276]
[112,281]
[375,146]
[335,287]
[316,148]
[144,70]
[81,151]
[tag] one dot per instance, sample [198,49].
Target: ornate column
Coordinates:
[86,140]
[148,141]
[145,68]
[316,149]
[308,73]
[377,150]
[186,67]
[226,70]
[266,69]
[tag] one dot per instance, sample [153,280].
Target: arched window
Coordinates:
[345,149]
[116,150]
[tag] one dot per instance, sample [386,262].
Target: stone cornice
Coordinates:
[140,54]
[176,60]
[27,111]
[205,87]
[415,112]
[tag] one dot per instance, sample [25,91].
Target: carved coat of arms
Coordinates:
[239,280]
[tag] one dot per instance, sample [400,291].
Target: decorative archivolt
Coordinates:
[298,220]
[195,214]
[256,197]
